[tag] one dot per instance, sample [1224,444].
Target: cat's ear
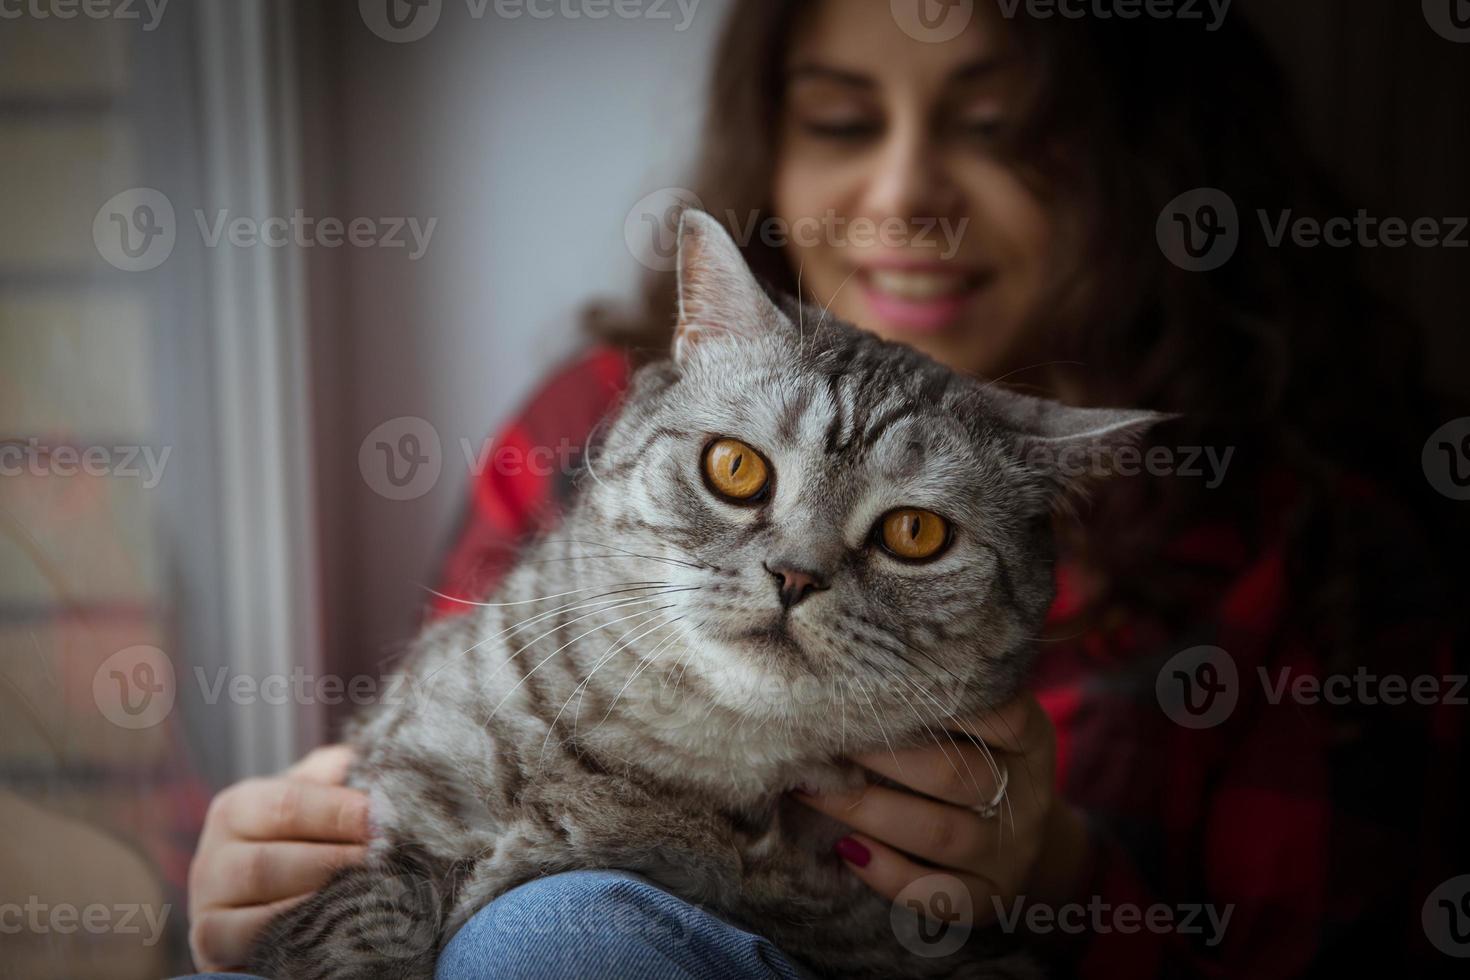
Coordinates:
[1066,448]
[718,296]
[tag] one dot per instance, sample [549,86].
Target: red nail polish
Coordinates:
[853,852]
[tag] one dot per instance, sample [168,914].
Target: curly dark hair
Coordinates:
[1283,353]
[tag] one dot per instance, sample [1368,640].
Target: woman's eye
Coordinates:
[983,129]
[913,534]
[850,131]
[735,471]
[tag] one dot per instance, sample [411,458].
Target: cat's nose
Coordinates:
[795,584]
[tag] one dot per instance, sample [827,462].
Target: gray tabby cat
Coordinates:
[797,542]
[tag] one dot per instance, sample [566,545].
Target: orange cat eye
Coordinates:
[735,471]
[913,534]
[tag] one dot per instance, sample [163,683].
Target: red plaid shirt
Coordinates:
[1322,838]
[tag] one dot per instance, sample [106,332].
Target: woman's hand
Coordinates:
[267,844]
[1034,846]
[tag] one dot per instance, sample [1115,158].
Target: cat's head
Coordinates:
[853,521]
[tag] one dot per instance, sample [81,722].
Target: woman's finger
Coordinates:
[962,773]
[940,832]
[328,764]
[962,897]
[252,873]
[294,809]
[221,938]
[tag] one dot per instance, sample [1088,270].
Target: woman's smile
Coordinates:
[919,296]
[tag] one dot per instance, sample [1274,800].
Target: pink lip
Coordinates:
[915,316]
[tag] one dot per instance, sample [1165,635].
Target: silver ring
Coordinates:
[988,810]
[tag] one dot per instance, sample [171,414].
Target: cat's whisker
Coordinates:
[551,728]
[995,771]
[590,450]
[696,563]
[992,382]
[842,709]
[624,641]
[667,561]
[833,298]
[642,665]
[686,660]
[515,687]
[938,719]
[878,718]
[800,309]
[923,653]
[598,600]
[518,602]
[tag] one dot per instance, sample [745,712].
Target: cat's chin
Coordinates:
[765,673]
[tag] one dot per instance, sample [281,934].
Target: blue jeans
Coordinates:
[603,924]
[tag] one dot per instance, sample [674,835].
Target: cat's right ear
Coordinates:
[719,298]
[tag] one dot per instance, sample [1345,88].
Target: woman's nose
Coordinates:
[909,178]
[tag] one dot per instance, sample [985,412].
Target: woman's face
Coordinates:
[899,213]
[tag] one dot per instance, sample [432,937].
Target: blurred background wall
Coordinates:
[529,139]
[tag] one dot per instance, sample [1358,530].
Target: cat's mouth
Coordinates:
[773,635]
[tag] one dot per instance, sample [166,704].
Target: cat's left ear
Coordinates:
[718,296]
[1067,447]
